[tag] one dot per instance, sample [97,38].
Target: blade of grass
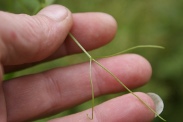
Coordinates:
[92,89]
[117,79]
[132,48]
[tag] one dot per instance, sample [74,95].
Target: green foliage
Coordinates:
[156,22]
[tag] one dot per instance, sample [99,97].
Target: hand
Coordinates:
[29,40]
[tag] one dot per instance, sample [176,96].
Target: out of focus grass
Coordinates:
[157,22]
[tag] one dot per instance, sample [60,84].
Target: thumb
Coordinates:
[25,39]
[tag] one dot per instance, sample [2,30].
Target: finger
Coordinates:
[92,30]
[126,108]
[62,88]
[33,38]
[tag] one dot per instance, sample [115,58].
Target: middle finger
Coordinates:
[39,95]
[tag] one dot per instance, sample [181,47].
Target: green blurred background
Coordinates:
[157,22]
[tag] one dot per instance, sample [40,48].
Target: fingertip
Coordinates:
[132,69]
[139,67]
[92,30]
[110,25]
[143,108]
[158,103]
[128,108]
[143,67]
[55,12]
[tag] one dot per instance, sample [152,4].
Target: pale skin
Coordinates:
[29,40]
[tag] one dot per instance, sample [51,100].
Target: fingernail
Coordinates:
[55,12]
[159,105]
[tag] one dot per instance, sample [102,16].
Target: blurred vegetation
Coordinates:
[158,22]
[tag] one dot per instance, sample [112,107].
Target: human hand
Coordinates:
[28,40]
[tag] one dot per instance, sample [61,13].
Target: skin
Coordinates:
[28,40]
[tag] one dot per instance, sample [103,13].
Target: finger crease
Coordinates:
[53,90]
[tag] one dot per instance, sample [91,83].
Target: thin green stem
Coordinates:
[117,79]
[92,89]
[136,47]
[90,70]
[74,39]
